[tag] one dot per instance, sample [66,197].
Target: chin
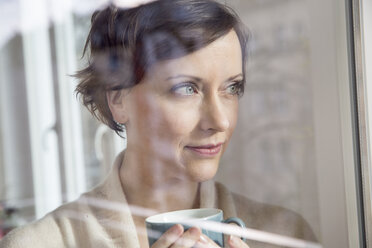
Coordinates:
[201,172]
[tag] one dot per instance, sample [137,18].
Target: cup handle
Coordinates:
[237,221]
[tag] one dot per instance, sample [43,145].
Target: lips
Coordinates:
[209,150]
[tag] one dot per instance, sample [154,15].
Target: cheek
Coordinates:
[161,121]
[232,113]
[234,119]
[176,122]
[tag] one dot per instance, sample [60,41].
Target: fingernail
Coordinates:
[177,229]
[194,231]
[203,239]
[233,240]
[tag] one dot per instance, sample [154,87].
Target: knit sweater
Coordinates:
[102,218]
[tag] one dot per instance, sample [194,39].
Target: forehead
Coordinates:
[221,58]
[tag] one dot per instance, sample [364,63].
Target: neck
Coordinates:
[148,184]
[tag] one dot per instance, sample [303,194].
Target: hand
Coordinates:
[175,237]
[234,242]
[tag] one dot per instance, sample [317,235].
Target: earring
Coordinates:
[121,125]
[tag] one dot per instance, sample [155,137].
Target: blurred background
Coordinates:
[295,144]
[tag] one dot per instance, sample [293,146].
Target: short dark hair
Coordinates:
[124,43]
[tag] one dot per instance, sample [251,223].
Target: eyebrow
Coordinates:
[199,79]
[234,77]
[182,76]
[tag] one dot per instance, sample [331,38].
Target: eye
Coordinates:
[185,89]
[235,89]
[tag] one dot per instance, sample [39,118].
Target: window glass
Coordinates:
[289,168]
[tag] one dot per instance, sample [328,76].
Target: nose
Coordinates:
[214,115]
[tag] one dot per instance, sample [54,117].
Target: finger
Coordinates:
[169,237]
[188,239]
[236,242]
[206,242]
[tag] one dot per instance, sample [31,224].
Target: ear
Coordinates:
[116,103]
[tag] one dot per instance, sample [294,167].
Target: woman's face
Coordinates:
[180,118]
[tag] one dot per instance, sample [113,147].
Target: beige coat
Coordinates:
[102,218]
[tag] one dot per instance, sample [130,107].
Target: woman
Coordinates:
[171,72]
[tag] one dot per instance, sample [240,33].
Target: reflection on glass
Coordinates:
[169,77]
